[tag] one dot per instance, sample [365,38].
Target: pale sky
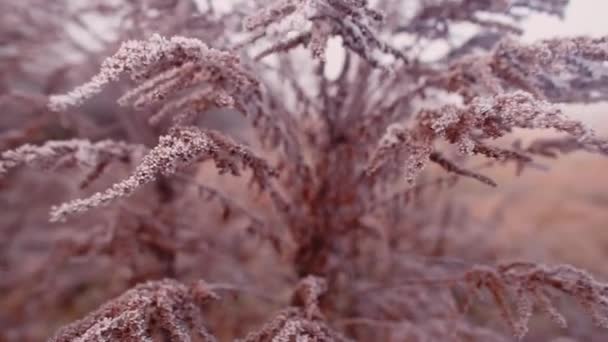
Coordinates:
[583,17]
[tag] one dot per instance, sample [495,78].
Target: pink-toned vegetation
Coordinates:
[172,171]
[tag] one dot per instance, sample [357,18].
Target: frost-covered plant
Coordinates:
[336,160]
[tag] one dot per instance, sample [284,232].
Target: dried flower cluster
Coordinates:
[341,230]
[303,323]
[167,65]
[563,70]
[533,286]
[58,154]
[467,127]
[313,22]
[180,148]
[166,305]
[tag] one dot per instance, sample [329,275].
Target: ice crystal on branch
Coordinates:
[185,77]
[313,21]
[532,286]
[564,70]
[165,306]
[165,66]
[57,154]
[485,118]
[302,322]
[178,149]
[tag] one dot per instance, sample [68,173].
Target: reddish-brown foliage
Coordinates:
[340,229]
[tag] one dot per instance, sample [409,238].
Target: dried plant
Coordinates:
[166,305]
[56,154]
[303,322]
[533,68]
[341,230]
[181,147]
[466,127]
[531,285]
[313,22]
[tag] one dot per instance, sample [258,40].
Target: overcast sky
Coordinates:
[583,17]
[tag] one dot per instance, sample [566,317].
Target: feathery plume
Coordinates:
[532,285]
[166,304]
[312,22]
[466,127]
[68,153]
[180,148]
[167,65]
